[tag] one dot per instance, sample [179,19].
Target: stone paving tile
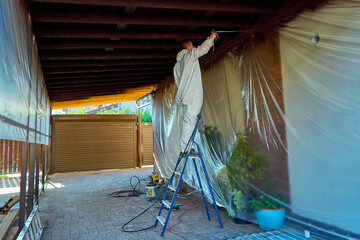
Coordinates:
[78,206]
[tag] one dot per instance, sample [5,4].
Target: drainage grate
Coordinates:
[273,235]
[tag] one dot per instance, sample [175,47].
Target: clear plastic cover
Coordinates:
[22,91]
[280,124]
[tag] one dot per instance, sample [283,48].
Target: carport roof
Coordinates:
[96,51]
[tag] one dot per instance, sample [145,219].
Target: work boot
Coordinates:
[194,154]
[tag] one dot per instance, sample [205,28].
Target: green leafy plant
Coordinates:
[237,197]
[264,202]
[245,164]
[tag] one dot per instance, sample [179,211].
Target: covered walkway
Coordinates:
[78,206]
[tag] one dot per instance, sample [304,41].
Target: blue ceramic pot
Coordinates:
[270,219]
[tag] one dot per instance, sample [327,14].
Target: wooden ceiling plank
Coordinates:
[96,89]
[88,32]
[237,7]
[101,44]
[103,63]
[68,70]
[98,80]
[106,74]
[87,55]
[52,16]
[122,84]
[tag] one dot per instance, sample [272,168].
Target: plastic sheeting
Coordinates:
[282,120]
[23,98]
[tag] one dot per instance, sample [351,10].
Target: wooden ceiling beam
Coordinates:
[68,70]
[96,89]
[113,84]
[72,97]
[101,44]
[105,79]
[98,54]
[88,32]
[98,17]
[105,74]
[46,64]
[237,7]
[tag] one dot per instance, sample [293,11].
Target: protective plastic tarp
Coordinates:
[23,98]
[280,124]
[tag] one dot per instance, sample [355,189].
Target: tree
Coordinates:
[145,116]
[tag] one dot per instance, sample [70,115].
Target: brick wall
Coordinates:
[265,64]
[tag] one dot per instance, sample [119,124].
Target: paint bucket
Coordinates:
[150,190]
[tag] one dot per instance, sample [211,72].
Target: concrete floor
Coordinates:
[78,206]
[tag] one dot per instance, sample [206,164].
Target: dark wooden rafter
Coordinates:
[102,63]
[98,54]
[101,44]
[103,79]
[236,7]
[97,84]
[105,74]
[97,89]
[67,70]
[88,32]
[97,17]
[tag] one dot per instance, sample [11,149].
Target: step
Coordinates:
[172,188]
[166,203]
[161,219]
[177,173]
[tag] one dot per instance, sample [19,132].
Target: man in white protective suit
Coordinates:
[189,96]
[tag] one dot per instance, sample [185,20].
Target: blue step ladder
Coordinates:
[170,205]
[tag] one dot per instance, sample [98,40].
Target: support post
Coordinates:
[30,200]
[43,159]
[37,173]
[23,170]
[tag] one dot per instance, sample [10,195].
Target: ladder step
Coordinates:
[161,219]
[166,203]
[177,173]
[172,188]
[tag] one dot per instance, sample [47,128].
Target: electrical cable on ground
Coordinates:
[187,210]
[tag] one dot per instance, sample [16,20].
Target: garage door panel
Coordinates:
[83,143]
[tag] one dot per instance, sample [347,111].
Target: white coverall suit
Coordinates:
[189,96]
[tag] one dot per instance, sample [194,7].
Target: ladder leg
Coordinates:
[174,197]
[167,190]
[210,188]
[202,190]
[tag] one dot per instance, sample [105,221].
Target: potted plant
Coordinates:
[245,165]
[269,211]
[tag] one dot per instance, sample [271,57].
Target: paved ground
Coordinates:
[9,187]
[78,206]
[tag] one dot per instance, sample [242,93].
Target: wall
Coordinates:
[264,104]
[321,90]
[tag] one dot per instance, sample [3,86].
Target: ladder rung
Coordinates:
[161,219]
[177,173]
[166,203]
[172,188]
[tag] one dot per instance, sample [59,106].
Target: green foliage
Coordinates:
[244,164]
[237,197]
[73,112]
[126,110]
[264,202]
[145,116]
[215,140]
